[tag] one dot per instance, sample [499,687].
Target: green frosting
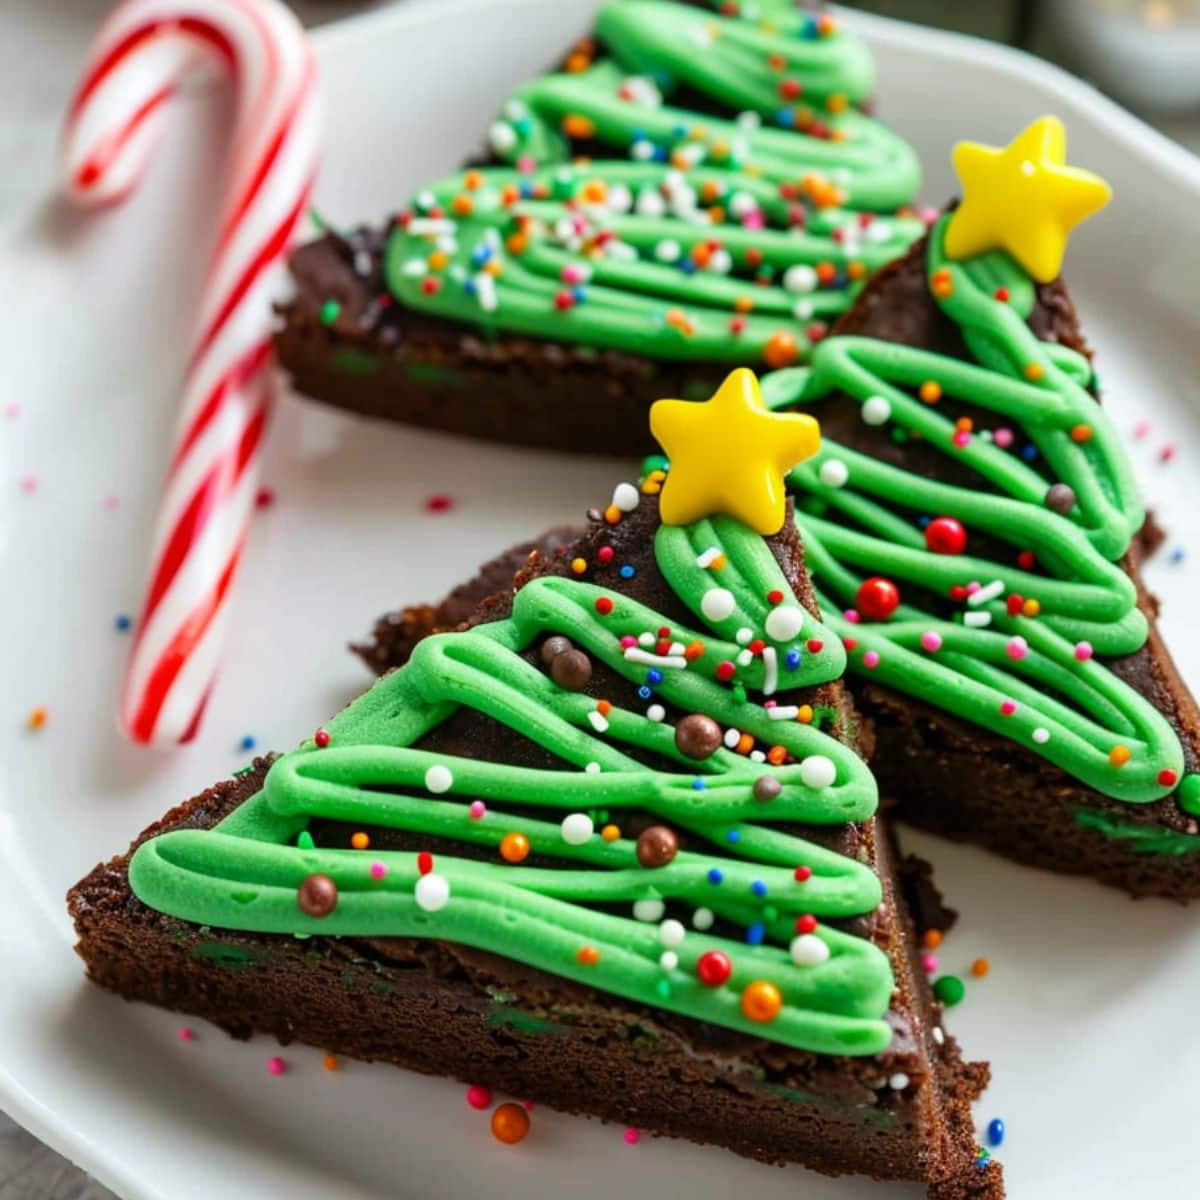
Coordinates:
[1034,678]
[701,236]
[245,873]
[1142,839]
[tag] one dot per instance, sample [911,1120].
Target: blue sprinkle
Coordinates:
[687,266]
[792,661]
[526,190]
[995,1132]
[626,572]
[733,837]
[523,124]
[469,287]
[758,888]
[638,135]
[124,622]
[811,29]
[679,131]
[923,521]
[755,934]
[644,693]
[481,254]
[1176,556]
[697,785]
[660,154]
[580,294]
[785,118]
[1029,453]
[654,676]
[248,742]
[715,875]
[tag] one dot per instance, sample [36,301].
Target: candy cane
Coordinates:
[139,58]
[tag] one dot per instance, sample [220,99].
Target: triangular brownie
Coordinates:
[621,804]
[691,190]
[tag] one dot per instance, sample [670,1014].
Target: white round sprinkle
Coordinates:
[656,712]
[742,203]
[743,636]
[898,1082]
[671,933]
[802,310]
[668,251]
[593,768]
[757,756]
[668,960]
[716,604]
[720,262]
[648,910]
[744,658]
[649,202]
[784,623]
[800,278]
[834,472]
[703,918]
[577,828]
[645,639]
[503,137]
[938,1035]
[432,892]
[625,497]
[1041,735]
[876,410]
[732,737]
[808,950]
[818,772]
[438,779]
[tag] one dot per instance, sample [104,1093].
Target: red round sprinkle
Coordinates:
[946,535]
[774,596]
[757,646]
[1001,294]
[430,285]
[1167,777]
[815,645]
[713,968]
[424,862]
[604,606]
[264,497]
[438,502]
[1014,604]
[806,924]
[605,554]
[802,874]
[958,593]
[321,737]
[725,671]
[1026,560]
[478,1096]
[877,598]
[664,631]
[849,643]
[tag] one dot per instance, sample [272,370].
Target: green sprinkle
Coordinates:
[950,990]
[330,312]
[1189,794]
[304,840]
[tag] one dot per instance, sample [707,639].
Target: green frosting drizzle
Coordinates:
[244,874]
[1034,678]
[703,237]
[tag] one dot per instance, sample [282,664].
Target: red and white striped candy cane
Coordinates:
[139,58]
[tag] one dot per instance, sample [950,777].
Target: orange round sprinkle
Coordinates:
[612,514]
[837,102]
[461,206]
[604,707]
[438,260]
[964,424]
[743,304]
[805,714]
[761,1000]
[931,939]
[1031,607]
[826,26]
[514,847]
[930,391]
[1033,371]
[577,62]
[717,563]
[576,125]
[980,967]
[510,1124]
[693,650]
[1119,756]
[579,565]
[701,254]
[509,194]
[716,214]
[610,833]
[516,243]
[1081,433]
[781,350]
[589,956]
[719,148]
[776,755]
[330,1062]
[826,272]
[856,270]
[472,180]
[360,840]
[37,718]
[745,744]
[594,191]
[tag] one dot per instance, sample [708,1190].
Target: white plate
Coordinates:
[1089,1012]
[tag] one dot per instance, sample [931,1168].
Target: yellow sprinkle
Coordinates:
[579,565]
[719,563]
[805,714]
[837,102]
[610,833]
[1031,607]
[1119,756]
[1033,371]
[612,514]
[930,391]
[360,840]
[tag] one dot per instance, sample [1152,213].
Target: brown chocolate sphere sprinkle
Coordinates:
[571,670]
[552,647]
[697,736]
[766,788]
[656,846]
[317,896]
[1060,498]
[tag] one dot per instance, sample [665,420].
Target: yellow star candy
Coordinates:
[1022,199]
[730,454]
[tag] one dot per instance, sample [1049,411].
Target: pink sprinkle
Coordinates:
[276,1065]
[929,963]
[754,219]
[572,273]
[527,1105]
[526,164]
[1017,648]
[29,484]
[1167,453]
[1008,707]
[12,410]
[871,659]
[770,703]
[1142,428]
[931,640]
[1003,437]
[477,810]
[961,438]
[378,869]
[628,641]
[478,1096]
[852,615]
[928,214]
[631,1136]
[110,501]
[973,587]
[1083,651]
[186,1035]
[439,502]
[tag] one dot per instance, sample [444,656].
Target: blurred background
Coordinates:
[1144,53]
